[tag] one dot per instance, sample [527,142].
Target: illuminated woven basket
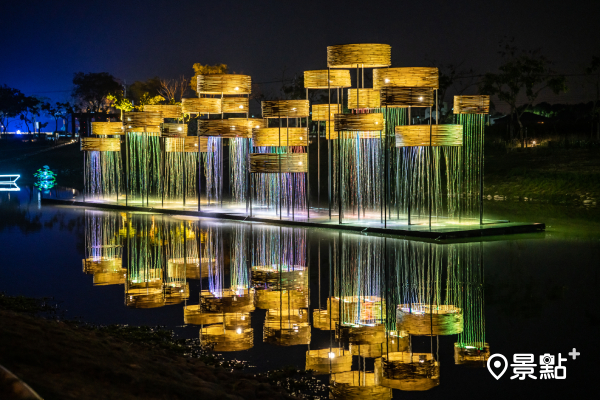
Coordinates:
[317,79]
[282,333]
[359,122]
[471,104]
[360,334]
[234,321]
[370,308]
[227,340]
[175,293]
[175,267]
[322,112]
[285,109]
[472,354]
[331,133]
[193,315]
[322,321]
[327,361]
[357,385]
[394,344]
[92,265]
[274,163]
[403,97]
[165,110]
[204,105]
[144,298]
[408,371]
[187,144]
[367,98]
[365,55]
[224,84]
[417,319]
[277,276]
[234,104]
[103,278]
[173,130]
[135,121]
[100,144]
[107,128]
[287,315]
[269,137]
[227,128]
[429,135]
[425,77]
[228,301]
[273,299]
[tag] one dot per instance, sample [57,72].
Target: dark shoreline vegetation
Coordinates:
[61,358]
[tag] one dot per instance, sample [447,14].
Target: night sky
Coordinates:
[45,42]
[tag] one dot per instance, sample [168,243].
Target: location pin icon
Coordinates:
[497,365]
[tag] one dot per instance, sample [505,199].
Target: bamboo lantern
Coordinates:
[394,343]
[226,128]
[191,265]
[370,307]
[403,97]
[326,361]
[187,144]
[365,55]
[325,112]
[429,135]
[367,98]
[234,104]
[107,128]
[193,315]
[92,265]
[472,104]
[173,130]
[270,276]
[359,122]
[419,319]
[317,79]
[144,298]
[228,340]
[408,371]
[237,320]
[285,109]
[103,278]
[472,355]
[165,110]
[330,133]
[135,121]
[424,77]
[270,163]
[229,301]
[204,105]
[360,334]
[224,84]
[284,333]
[271,299]
[177,293]
[322,320]
[100,144]
[273,137]
[357,385]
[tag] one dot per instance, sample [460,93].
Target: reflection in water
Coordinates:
[380,294]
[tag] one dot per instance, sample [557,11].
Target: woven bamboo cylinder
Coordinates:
[234,104]
[317,79]
[287,315]
[425,77]
[144,298]
[229,301]
[365,55]
[359,122]
[227,340]
[103,278]
[165,110]
[285,109]
[444,320]
[322,320]
[191,265]
[472,354]
[419,135]
[394,344]
[357,385]
[322,112]
[224,84]
[330,132]
[227,128]
[193,315]
[371,307]
[272,299]
[367,98]
[233,321]
[135,121]
[327,361]
[269,137]
[289,277]
[408,371]
[283,333]
[203,105]
[107,128]
[402,97]
[176,293]
[173,130]
[151,281]
[360,334]
[100,144]
[187,144]
[270,163]
[472,104]
[92,265]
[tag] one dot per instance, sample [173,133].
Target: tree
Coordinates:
[200,69]
[148,99]
[593,72]
[453,76]
[120,103]
[12,103]
[523,74]
[32,107]
[173,89]
[92,89]
[56,111]
[138,89]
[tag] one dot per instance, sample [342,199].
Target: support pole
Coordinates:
[199,172]
[328,133]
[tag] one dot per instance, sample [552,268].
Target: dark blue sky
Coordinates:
[45,42]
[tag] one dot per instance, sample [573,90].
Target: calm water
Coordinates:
[531,294]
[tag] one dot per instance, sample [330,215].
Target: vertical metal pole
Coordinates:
[307,180]
[386,173]
[328,135]
[147,169]
[126,167]
[409,180]
[164,170]
[84,173]
[279,160]
[184,174]
[430,167]
[482,122]
[199,171]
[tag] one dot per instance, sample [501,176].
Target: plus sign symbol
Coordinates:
[574,353]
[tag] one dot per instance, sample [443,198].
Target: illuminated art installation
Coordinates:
[46,178]
[102,161]
[180,248]
[103,249]
[8,183]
